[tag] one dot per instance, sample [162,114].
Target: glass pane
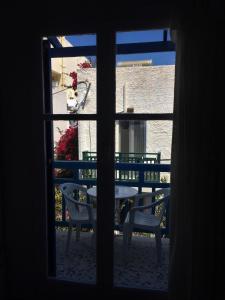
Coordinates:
[144,147]
[73,85]
[75,40]
[75,207]
[82,39]
[139,36]
[74,79]
[144,81]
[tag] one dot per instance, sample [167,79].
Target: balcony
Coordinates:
[78,171]
[141,270]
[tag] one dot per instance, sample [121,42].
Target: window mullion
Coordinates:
[105,157]
[47,108]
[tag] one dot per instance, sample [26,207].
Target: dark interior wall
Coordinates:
[24,206]
[22,150]
[22,159]
[196,221]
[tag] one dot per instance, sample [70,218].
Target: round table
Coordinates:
[121,192]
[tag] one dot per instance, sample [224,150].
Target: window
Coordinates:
[102,130]
[143,137]
[66,132]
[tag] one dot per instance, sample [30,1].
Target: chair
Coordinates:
[79,211]
[142,217]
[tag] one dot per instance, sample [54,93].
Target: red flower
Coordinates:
[85,65]
[74,83]
[68,156]
[73,74]
[67,146]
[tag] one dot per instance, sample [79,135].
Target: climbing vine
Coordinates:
[73,74]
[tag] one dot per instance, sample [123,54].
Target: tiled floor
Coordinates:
[140,271]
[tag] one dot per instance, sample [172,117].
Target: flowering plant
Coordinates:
[67,146]
[67,149]
[85,65]
[73,74]
[74,82]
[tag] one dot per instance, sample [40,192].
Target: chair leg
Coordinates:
[125,235]
[93,239]
[158,245]
[129,235]
[68,238]
[78,228]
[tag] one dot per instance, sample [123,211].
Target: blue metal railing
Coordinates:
[121,157]
[77,168]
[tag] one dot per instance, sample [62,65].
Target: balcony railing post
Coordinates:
[119,161]
[76,175]
[159,161]
[84,155]
[158,157]
[153,200]
[141,181]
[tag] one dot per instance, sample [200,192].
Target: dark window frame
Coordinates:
[105,117]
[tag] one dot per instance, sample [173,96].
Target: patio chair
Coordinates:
[79,211]
[143,218]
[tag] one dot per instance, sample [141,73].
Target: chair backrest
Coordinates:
[163,201]
[145,197]
[69,188]
[71,192]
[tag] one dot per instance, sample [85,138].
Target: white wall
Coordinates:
[59,107]
[148,89]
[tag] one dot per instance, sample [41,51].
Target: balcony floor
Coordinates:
[141,270]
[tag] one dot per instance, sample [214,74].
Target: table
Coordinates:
[121,192]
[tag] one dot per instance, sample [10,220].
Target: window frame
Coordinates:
[105,118]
